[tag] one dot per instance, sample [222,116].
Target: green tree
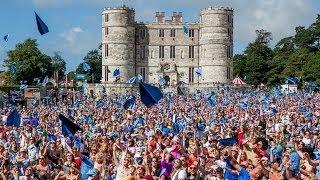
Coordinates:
[58,65]
[29,61]
[94,59]
[259,56]
[239,65]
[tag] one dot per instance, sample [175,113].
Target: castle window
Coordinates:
[191,32]
[204,53]
[172,52]
[191,51]
[228,73]
[152,54]
[172,33]
[143,72]
[182,54]
[228,52]
[106,75]
[161,51]
[161,32]
[106,17]
[142,52]
[106,50]
[142,33]
[191,74]
[106,30]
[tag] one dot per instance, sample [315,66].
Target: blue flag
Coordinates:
[291,80]
[6,37]
[212,100]
[132,80]
[13,69]
[13,119]
[42,27]
[87,166]
[149,94]
[228,141]
[185,30]
[139,76]
[86,67]
[162,81]
[116,73]
[130,103]
[69,128]
[45,81]
[198,72]
[23,87]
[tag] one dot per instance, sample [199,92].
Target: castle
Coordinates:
[171,48]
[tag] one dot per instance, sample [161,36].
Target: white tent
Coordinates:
[238,82]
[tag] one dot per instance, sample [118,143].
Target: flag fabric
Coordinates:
[162,81]
[13,69]
[149,94]
[87,166]
[228,141]
[212,100]
[45,81]
[130,103]
[42,27]
[6,37]
[186,30]
[132,80]
[86,67]
[198,72]
[139,76]
[243,105]
[69,128]
[116,73]
[23,86]
[290,80]
[13,119]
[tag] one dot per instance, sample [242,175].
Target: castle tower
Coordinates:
[216,44]
[118,43]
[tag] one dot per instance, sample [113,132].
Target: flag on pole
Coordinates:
[6,38]
[198,72]
[132,80]
[116,73]
[130,103]
[13,69]
[86,67]
[149,94]
[186,30]
[13,119]
[42,27]
[69,128]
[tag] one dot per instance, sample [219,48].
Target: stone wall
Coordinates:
[212,41]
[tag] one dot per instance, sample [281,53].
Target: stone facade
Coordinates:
[163,49]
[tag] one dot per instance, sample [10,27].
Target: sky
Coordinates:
[75,25]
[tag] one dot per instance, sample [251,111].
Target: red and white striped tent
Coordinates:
[238,82]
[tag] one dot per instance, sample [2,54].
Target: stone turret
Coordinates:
[118,43]
[216,44]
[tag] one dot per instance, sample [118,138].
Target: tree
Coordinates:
[239,65]
[259,56]
[58,65]
[94,59]
[30,63]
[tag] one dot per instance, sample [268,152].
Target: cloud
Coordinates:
[77,41]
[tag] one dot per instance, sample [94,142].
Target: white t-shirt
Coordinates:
[180,175]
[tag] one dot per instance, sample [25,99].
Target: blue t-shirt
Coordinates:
[244,174]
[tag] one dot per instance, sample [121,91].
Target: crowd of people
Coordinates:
[252,134]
